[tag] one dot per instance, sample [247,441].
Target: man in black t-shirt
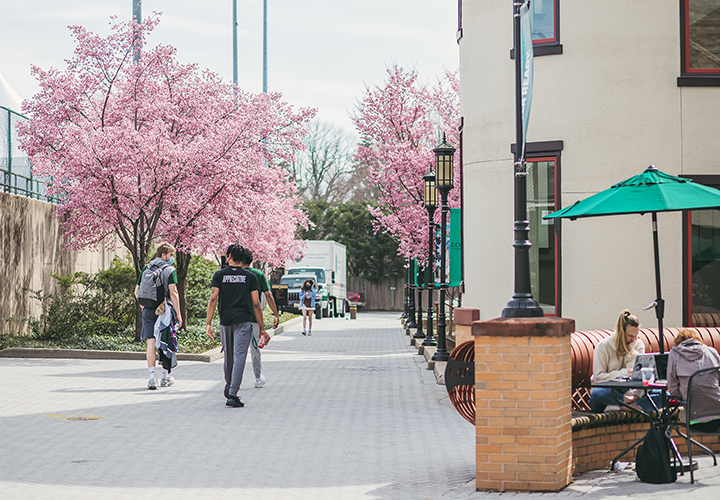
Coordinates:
[236,289]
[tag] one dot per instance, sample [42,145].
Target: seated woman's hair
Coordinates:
[685,334]
[625,319]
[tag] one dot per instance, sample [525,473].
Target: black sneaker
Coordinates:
[234,401]
[227,392]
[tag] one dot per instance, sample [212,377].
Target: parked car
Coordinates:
[356,299]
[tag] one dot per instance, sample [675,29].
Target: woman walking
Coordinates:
[307,304]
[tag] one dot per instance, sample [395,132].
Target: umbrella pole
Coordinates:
[659,302]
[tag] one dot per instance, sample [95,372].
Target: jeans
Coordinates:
[601,397]
[255,350]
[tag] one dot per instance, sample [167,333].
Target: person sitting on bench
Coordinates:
[613,359]
[688,356]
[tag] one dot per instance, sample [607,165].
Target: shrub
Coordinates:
[197,288]
[85,304]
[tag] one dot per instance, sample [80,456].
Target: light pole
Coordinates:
[430,204]
[444,154]
[411,298]
[406,299]
[137,16]
[265,16]
[419,333]
[235,47]
[522,304]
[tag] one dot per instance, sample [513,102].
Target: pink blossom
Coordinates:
[161,150]
[400,123]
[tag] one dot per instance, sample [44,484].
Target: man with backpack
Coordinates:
[255,345]
[157,281]
[237,291]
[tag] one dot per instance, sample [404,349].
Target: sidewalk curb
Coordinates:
[207,357]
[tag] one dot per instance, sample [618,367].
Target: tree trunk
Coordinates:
[138,321]
[182,263]
[139,254]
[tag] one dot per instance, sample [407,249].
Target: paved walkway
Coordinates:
[349,413]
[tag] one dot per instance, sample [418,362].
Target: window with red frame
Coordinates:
[542,184]
[701,36]
[545,21]
[701,272]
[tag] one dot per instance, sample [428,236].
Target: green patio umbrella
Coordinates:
[652,191]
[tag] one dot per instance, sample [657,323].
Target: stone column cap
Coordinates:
[465,315]
[548,326]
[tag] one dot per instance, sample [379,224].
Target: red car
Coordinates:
[356,299]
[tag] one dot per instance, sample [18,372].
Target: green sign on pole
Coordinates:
[454,271]
[453,264]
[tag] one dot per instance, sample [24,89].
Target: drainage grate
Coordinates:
[77,417]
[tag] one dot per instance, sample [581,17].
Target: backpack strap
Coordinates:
[167,270]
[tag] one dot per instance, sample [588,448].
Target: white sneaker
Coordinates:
[152,383]
[167,382]
[259,382]
[309,332]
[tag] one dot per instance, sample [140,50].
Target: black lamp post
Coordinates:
[430,204]
[411,297]
[419,333]
[406,299]
[444,155]
[522,304]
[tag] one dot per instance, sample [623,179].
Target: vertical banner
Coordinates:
[526,60]
[453,256]
[418,273]
[454,250]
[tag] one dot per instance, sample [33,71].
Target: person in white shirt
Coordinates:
[614,358]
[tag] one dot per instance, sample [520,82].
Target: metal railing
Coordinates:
[25,186]
[15,170]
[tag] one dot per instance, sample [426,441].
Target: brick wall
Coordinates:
[523,418]
[596,447]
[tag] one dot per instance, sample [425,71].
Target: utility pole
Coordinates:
[137,17]
[264,89]
[235,44]
[265,46]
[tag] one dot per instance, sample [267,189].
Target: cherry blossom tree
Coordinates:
[159,150]
[400,122]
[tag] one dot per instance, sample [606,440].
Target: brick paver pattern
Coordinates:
[349,413]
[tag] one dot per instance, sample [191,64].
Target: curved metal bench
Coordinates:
[460,371]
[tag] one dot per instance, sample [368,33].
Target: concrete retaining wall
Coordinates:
[31,250]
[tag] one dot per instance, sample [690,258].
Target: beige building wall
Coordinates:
[31,250]
[612,98]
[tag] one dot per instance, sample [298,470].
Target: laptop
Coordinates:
[658,362]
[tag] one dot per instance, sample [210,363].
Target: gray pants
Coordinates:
[255,351]
[235,341]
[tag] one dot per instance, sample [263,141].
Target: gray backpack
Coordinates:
[153,286]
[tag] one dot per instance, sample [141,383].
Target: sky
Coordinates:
[321,53]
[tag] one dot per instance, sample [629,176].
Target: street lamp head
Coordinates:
[444,154]
[430,199]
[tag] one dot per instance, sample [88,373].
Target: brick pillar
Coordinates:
[523,404]
[464,318]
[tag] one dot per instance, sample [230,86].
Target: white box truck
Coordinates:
[326,263]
